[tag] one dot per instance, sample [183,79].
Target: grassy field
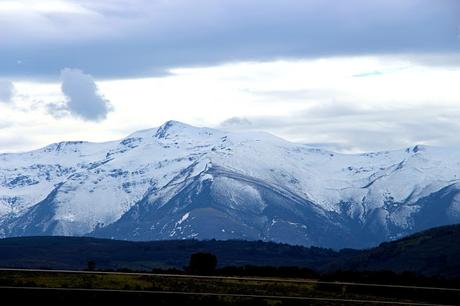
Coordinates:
[139,288]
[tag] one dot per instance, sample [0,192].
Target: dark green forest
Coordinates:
[434,252]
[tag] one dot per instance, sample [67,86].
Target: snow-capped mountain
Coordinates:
[179,181]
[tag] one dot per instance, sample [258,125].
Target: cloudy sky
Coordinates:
[351,76]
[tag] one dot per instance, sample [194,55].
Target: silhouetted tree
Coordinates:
[202,263]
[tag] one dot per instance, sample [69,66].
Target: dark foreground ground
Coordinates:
[96,288]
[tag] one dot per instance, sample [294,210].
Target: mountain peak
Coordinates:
[171,123]
[163,130]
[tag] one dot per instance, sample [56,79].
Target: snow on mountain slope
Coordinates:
[179,181]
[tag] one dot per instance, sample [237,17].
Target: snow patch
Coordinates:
[183,218]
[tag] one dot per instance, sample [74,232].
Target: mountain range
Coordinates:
[183,182]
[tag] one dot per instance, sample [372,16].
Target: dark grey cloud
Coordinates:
[353,128]
[116,38]
[83,97]
[6,91]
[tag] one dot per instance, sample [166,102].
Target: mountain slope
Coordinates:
[431,252]
[179,181]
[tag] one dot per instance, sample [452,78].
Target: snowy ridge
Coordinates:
[180,181]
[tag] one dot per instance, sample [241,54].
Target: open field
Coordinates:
[157,289]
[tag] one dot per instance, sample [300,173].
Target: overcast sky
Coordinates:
[351,76]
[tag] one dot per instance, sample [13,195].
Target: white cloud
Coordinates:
[309,101]
[6,91]
[42,6]
[361,130]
